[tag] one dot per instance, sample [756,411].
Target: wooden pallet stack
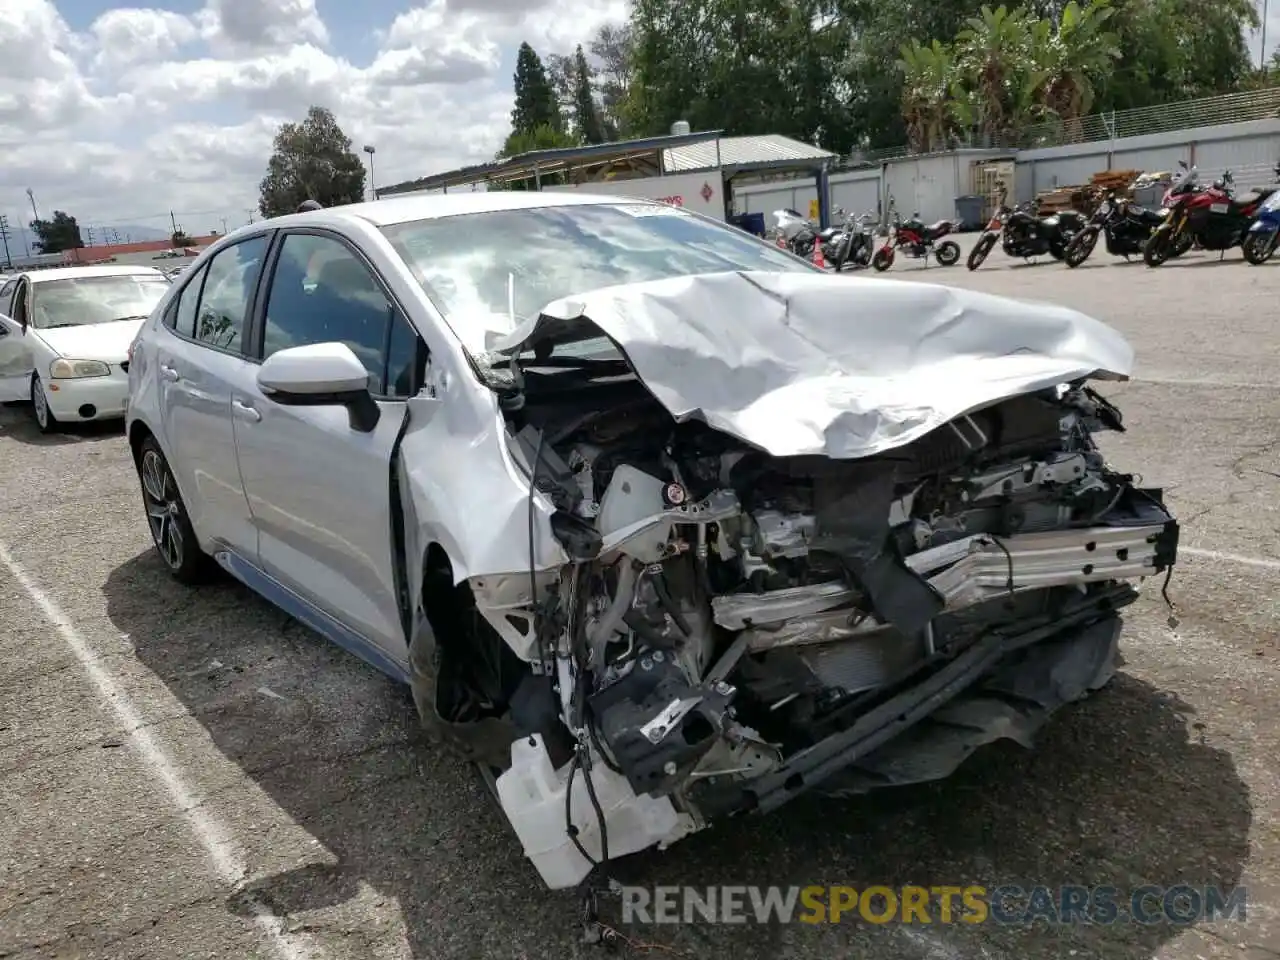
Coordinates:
[1121,181]
[1084,198]
[1064,198]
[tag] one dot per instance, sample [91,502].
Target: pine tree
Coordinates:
[586,116]
[535,97]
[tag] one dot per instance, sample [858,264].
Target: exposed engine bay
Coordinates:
[736,628]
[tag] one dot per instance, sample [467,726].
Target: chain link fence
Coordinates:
[1100,127]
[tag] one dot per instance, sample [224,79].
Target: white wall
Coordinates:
[855,190]
[679,189]
[1249,150]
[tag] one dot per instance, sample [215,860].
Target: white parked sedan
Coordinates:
[65,336]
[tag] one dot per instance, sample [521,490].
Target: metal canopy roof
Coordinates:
[734,155]
[527,165]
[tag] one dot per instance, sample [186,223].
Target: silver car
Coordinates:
[659,523]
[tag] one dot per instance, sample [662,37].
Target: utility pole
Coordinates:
[373,190]
[224,225]
[4,235]
[89,233]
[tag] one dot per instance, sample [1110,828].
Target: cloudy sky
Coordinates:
[118,114]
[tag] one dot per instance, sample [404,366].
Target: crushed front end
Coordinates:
[737,628]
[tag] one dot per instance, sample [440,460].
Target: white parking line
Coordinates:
[228,865]
[1196,382]
[1262,563]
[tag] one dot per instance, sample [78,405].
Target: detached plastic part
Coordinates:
[532,794]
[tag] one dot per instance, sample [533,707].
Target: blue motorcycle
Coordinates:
[1260,242]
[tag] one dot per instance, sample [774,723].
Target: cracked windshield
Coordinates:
[479,268]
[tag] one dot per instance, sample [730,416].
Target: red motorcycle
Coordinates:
[1212,219]
[916,240]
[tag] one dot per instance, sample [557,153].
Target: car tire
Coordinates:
[46,422]
[171,532]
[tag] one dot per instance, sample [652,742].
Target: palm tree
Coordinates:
[1069,57]
[992,53]
[929,95]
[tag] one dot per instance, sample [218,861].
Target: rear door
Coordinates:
[201,362]
[320,490]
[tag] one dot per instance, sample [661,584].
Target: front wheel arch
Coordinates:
[447,629]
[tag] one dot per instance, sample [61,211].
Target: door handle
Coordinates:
[245,412]
[170,374]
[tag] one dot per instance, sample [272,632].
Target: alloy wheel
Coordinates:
[164,509]
[40,404]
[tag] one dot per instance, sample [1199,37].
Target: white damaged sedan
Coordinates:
[64,338]
[659,523]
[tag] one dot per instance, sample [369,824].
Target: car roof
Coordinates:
[393,210]
[104,270]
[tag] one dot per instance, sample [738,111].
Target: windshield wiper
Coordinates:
[136,316]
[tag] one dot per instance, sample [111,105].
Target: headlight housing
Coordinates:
[62,369]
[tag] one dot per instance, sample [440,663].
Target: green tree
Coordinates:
[1069,58]
[929,101]
[545,137]
[536,103]
[586,115]
[744,66]
[613,49]
[179,239]
[993,54]
[57,234]
[312,160]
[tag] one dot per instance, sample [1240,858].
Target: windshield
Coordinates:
[82,301]
[466,263]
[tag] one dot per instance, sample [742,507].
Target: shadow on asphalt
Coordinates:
[16,424]
[1119,792]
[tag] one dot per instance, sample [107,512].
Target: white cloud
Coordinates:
[149,109]
[245,25]
[130,35]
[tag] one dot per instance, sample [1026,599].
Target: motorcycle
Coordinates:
[796,232]
[1025,234]
[1124,225]
[916,240]
[1213,219]
[852,242]
[1260,243]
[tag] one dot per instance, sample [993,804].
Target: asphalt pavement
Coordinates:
[189,774]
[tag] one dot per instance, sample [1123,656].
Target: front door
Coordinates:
[201,362]
[319,490]
[16,360]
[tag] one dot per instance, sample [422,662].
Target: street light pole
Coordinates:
[373,190]
[1262,54]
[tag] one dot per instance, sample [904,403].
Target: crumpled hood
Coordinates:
[108,342]
[808,363]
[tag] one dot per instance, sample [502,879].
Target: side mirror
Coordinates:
[321,375]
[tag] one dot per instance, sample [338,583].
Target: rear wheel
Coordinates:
[1258,247]
[883,259]
[980,250]
[948,253]
[171,531]
[1080,247]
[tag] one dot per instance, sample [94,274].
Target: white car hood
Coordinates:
[108,342]
[808,363]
